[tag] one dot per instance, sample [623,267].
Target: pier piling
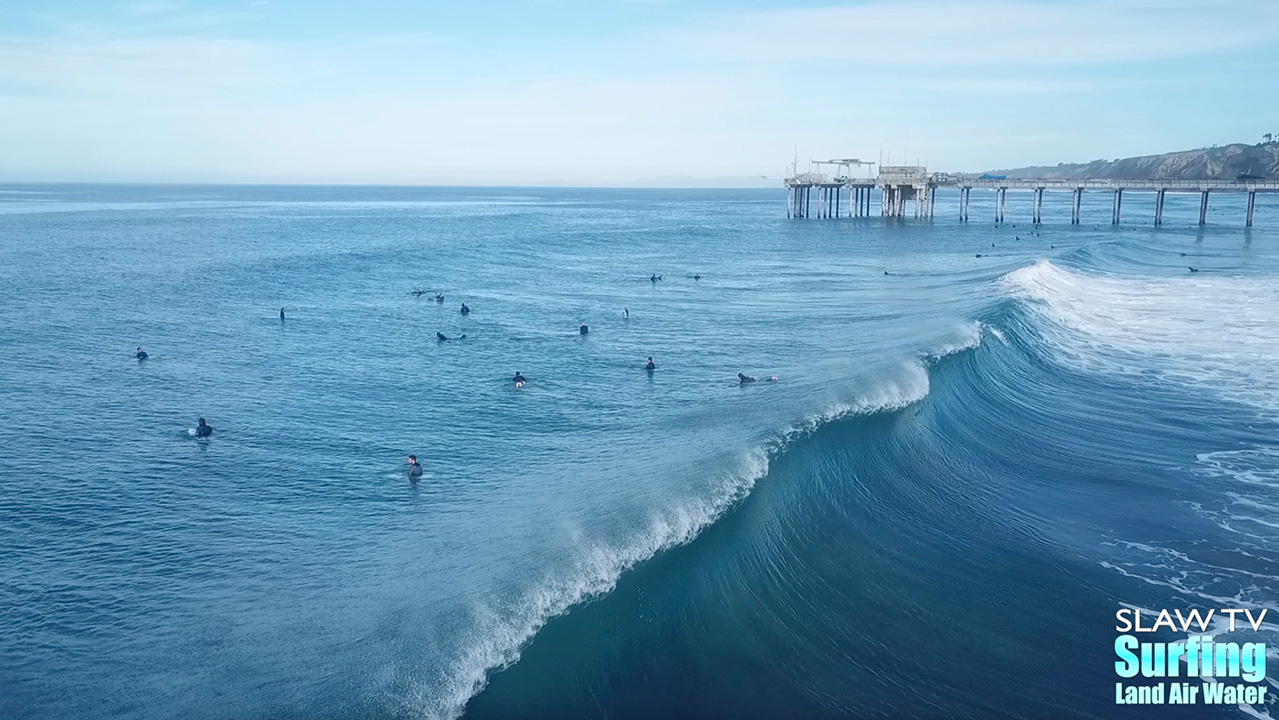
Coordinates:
[1252,199]
[1203,208]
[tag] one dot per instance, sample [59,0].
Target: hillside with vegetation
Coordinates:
[1225,162]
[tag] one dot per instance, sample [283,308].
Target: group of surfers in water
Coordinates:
[204,430]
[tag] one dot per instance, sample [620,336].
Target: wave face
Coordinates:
[970,452]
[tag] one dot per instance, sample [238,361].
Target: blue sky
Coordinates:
[615,91]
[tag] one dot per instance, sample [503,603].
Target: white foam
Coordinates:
[1213,332]
[963,337]
[1251,466]
[904,387]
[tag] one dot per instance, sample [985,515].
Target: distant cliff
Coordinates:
[1226,162]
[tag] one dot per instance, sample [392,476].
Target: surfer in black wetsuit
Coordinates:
[439,297]
[281,314]
[583,330]
[415,470]
[626,313]
[465,310]
[519,379]
[142,354]
[744,379]
[203,429]
[650,366]
[441,336]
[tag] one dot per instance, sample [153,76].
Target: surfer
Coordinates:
[697,277]
[465,310]
[202,429]
[439,297]
[583,330]
[519,379]
[626,313]
[418,292]
[142,354]
[1194,269]
[281,314]
[415,470]
[650,366]
[442,337]
[744,379]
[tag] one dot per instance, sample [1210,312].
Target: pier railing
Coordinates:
[1199,185]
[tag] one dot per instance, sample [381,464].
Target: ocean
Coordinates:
[983,440]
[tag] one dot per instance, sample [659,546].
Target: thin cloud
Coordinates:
[985,32]
[151,7]
[159,68]
[1022,86]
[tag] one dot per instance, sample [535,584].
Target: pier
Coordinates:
[814,195]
